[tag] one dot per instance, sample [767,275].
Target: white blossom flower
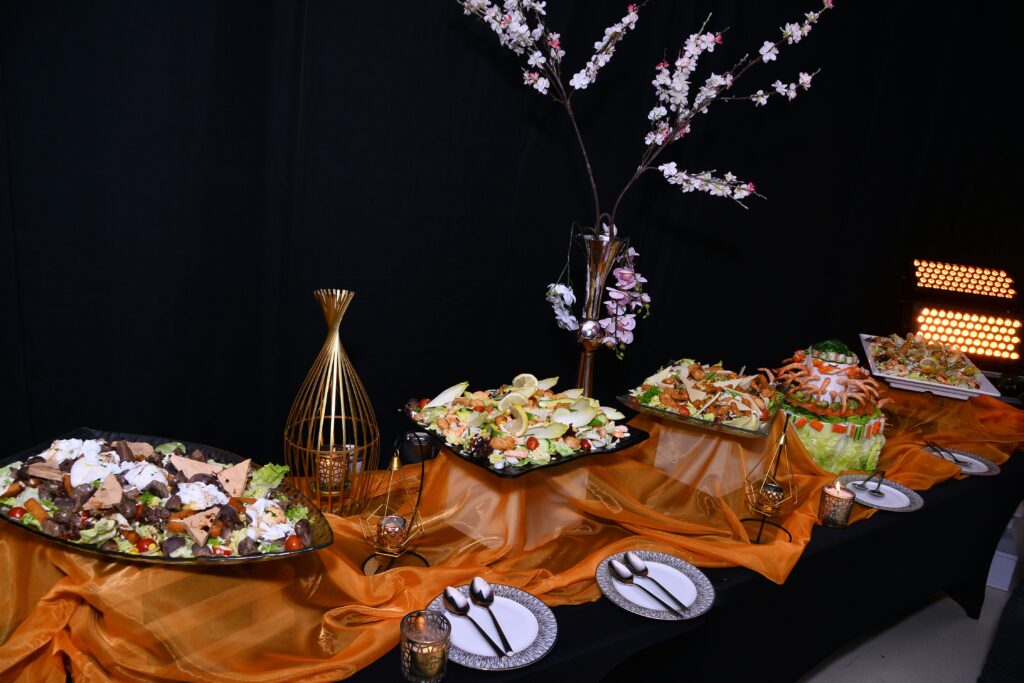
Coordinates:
[792,33]
[580,80]
[805,80]
[780,87]
[760,99]
[657,113]
[768,51]
[536,59]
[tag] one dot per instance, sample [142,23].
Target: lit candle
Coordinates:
[391,532]
[836,505]
[425,638]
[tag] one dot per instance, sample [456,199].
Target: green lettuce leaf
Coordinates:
[170,447]
[264,479]
[104,530]
[28,519]
[297,512]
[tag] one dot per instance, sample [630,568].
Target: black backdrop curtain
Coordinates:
[176,179]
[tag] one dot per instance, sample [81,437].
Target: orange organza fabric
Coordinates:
[318,618]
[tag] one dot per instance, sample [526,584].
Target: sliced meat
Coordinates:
[171,544]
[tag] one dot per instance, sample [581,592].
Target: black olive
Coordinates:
[127,507]
[173,503]
[198,455]
[202,478]
[201,551]
[305,532]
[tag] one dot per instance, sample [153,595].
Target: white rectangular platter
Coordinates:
[961,393]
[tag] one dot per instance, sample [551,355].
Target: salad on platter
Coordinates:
[927,360]
[710,393]
[156,501]
[523,423]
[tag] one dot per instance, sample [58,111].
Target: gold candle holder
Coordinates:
[331,438]
[836,506]
[426,637]
[392,530]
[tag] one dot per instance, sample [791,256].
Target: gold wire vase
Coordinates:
[331,438]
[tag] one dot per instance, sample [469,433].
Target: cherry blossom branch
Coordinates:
[664,135]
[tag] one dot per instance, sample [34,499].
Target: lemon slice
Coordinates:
[509,400]
[517,427]
[525,384]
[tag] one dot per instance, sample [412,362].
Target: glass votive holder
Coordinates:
[836,506]
[424,646]
[332,468]
[416,447]
[392,530]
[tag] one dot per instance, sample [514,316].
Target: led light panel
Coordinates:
[973,333]
[964,279]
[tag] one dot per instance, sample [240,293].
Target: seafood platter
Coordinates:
[708,397]
[834,405]
[918,364]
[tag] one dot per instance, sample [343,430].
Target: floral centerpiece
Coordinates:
[521,27]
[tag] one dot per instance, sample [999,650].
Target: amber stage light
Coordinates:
[964,279]
[973,333]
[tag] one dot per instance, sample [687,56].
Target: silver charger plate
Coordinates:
[977,466]
[898,498]
[697,602]
[531,641]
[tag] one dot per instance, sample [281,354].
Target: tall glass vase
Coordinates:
[601,252]
[331,439]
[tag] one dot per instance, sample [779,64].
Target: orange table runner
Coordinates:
[318,618]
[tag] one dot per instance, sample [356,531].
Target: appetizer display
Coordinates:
[835,406]
[520,424]
[926,360]
[709,394]
[136,498]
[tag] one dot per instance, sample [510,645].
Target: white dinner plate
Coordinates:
[895,497]
[974,464]
[687,583]
[528,624]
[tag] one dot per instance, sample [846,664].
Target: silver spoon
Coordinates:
[639,568]
[480,593]
[456,603]
[941,451]
[621,573]
[863,485]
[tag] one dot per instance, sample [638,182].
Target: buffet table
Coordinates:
[317,617]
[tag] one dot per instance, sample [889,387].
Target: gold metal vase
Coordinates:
[331,438]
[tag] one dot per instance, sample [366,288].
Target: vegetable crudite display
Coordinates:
[834,405]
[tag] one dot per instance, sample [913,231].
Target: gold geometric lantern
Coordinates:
[391,520]
[331,439]
[769,488]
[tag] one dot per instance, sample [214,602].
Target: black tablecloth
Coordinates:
[847,582]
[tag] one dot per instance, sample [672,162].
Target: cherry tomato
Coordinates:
[293,543]
[585,444]
[138,510]
[17,513]
[423,402]
[683,410]
[222,551]
[145,545]
[532,443]
[479,409]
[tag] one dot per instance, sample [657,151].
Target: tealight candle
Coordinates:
[391,532]
[424,646]
[836,505]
